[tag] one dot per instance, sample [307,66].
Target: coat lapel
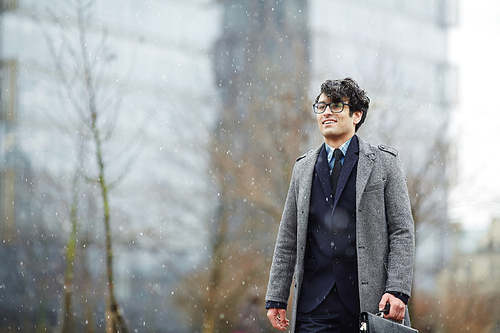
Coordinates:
[365,167]
[305,176]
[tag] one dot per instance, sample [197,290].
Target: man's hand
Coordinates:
[397,311]
[278,318]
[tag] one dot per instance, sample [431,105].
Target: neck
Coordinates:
[337,142]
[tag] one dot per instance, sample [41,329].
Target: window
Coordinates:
[8,70]
[8,5]
[447,13]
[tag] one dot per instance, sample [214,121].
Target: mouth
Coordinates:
[329,121]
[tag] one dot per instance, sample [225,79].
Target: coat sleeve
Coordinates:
[400,227]
[285,252]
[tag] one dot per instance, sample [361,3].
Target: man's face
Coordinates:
[337,128]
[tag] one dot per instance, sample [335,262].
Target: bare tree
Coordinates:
[395,119]
[261,129]
[69,323]
[426,150]
[81,75]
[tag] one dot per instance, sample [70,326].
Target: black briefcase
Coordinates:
[375,323]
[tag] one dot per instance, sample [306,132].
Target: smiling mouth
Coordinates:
[328,122]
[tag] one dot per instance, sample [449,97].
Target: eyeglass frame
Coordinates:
[329,105]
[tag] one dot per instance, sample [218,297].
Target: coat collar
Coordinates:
[366,157]
[323,172]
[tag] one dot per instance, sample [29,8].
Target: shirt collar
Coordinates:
[343,147]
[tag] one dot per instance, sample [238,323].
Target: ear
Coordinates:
[356,116]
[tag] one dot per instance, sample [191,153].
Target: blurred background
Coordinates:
[146,149]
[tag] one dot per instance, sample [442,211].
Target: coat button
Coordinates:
[336,260]
[335,232]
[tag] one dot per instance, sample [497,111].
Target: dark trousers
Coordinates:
[331,316]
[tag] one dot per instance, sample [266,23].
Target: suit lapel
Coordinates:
[365,167]
[323,172]
[350,160]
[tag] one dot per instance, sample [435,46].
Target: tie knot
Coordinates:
[337,154]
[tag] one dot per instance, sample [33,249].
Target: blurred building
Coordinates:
[398,52]
[161,83]
[477,265]
[469,286]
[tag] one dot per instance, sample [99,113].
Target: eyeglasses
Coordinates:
[336,107]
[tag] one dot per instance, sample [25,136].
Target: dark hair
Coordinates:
[339,90]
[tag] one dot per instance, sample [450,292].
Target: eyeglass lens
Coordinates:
[321,107]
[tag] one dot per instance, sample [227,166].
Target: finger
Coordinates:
[282,314]
[278,324]
[383,302]
[282,318]
[397,311]
[401,312]
[393,313]
[397,316]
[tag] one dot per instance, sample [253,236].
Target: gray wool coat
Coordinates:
[384,229]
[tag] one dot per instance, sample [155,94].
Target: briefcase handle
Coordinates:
[364,328]
[386,310]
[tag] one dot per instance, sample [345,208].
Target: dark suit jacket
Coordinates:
[331,236]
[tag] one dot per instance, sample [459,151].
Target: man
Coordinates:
[347,232]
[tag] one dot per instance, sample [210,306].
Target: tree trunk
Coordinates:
[211,314]
[113,313]
[69,323]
